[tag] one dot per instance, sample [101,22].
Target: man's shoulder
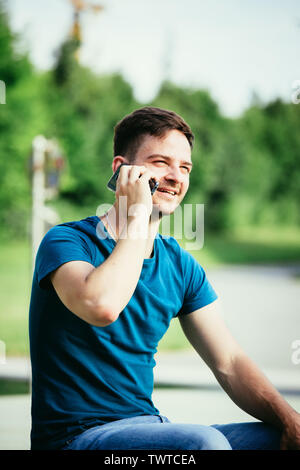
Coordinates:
[78,224]
[71,233]
[68,241]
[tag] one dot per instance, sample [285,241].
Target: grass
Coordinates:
[15,279]
[252,245]
[14,387]
[247,245]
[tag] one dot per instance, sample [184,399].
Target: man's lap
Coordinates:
[251,435]
[158,433]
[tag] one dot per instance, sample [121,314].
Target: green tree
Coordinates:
[84,108]
[273,160]
[20,119]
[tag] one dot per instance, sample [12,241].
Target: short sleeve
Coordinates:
[60,245]
[198,290]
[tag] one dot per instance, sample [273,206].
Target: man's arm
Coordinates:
[90,293]
[98,295]
[238,375]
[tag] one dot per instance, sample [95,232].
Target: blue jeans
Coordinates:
[158,433]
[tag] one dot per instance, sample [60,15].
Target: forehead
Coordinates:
[173,144]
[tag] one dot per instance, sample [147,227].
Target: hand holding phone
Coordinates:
[112,183]
[131,183]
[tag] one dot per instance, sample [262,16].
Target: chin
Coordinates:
[164,209]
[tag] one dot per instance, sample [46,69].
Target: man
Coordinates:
[104,294]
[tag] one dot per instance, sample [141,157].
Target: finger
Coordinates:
[135,173]
[123,174]
[147,175]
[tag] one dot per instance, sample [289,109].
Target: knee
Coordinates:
[212,439]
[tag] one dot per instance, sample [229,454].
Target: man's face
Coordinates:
[169,159]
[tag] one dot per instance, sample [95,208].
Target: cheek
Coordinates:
[160,171]
[186,185]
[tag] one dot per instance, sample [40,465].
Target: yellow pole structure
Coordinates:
[80,6]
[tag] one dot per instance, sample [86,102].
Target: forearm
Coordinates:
[112,284]
[248,387]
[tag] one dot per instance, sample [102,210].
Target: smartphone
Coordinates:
[113,181]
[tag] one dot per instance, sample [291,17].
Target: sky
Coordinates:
[232,48]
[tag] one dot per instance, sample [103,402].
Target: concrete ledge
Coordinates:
[186,368]
[16,368]
[183,369]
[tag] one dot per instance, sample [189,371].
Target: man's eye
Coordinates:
[186,168]
[160,161]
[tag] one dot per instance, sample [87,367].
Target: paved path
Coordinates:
[262,309]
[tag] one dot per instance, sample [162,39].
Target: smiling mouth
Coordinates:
[166,191]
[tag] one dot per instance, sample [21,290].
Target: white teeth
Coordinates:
[166,191]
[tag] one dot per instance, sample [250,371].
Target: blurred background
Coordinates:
[69,71]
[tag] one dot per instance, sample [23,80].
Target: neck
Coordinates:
[118,220]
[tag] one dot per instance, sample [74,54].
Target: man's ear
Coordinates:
[117,161]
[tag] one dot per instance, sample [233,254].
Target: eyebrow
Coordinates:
[169,158]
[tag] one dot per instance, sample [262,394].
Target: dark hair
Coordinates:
[131,130]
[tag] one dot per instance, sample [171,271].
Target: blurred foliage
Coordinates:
[246,170]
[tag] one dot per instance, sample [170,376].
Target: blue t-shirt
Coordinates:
[84,375]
